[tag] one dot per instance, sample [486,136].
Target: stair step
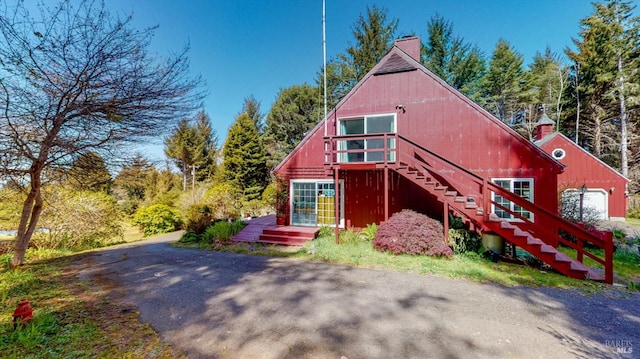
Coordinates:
[286,240]
[451,193]
[506,225]
[561,257]
[460,199]
[494,218]
[440,187]
[470,205]
[547,249]
[520,233]
[533,241]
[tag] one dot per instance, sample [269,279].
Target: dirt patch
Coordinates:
[119,321]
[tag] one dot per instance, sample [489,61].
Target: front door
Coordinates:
[313,203]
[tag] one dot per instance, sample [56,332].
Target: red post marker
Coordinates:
[23,313]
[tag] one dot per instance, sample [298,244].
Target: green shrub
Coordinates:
[222,231]
[326,231]
[189,237]
[370,232]
[157,218]
[350,236]
[464,241]
[78,220]
[269,196]
[199,217]
[223,199]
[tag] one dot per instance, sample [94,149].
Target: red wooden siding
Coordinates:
[583,168]
[364,201]
[436,117]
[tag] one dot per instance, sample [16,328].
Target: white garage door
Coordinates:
[595,201]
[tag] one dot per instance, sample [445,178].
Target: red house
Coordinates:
[604,190]
[403,138]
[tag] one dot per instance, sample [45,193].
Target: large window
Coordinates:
[522,187]
[365,126]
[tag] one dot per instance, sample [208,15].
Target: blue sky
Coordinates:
[251,47]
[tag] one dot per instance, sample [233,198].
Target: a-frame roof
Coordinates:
[397,60]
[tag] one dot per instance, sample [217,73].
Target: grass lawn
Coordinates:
[72,318]
[470,266]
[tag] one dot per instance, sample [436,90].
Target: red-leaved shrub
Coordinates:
[412,233]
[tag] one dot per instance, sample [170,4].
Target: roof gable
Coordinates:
[552,141]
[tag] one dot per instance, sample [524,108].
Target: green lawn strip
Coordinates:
[362,254]
[71,319]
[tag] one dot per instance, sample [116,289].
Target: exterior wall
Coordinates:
[440,119]
[583,168]
[364,197]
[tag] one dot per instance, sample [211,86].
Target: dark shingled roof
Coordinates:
[395,63]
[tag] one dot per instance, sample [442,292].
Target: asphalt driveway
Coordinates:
[225,305]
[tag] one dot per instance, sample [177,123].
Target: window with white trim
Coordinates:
[372,124]
[522,187]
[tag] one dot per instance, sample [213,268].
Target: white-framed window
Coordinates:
[558,153]
[371,124]
[522,187]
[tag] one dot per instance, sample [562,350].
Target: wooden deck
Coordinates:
[265,230]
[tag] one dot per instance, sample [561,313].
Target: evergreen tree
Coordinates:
[245,159]
[460,64]
[251,107]
[179,147]
[607,59]
[504,85]
[297,109]
[131,178]
[193,146]
[373,36]
[90,173]
[205,156]
[549,79]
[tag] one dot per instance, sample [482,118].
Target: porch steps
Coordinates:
[289,236]
[264,230]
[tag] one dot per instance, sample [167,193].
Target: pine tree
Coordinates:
[460,64]
[504,85]
[251,107]
[548,79]
[297,109]
[607,56]
[245,159]
[193,146]
[373,36]
[90,173]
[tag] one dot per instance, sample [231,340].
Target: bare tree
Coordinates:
[79,79]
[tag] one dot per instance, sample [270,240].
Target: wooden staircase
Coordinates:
[464,193]
[471,196]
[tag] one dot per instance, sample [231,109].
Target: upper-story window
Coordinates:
[366,125]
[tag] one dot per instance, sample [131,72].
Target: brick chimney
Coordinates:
[410,45]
